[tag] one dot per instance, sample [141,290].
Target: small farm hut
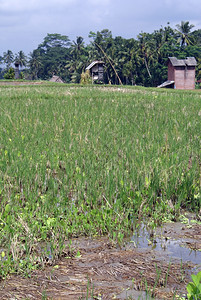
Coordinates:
[56,79]
[96,69]
[181,73]
[17,71]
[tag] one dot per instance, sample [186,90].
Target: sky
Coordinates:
[25,23]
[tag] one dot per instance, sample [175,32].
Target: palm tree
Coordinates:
[8,58]
[184,31]
[78,45]
[78,59]
[146,50]
[21,59]
[35,63]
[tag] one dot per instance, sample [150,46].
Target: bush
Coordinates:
[22,75]
[85,78]
[10,74]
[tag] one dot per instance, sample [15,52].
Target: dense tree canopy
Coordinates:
[140,61]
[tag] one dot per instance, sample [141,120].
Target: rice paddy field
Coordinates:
[92,161]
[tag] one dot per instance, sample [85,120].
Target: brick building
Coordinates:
[182,72]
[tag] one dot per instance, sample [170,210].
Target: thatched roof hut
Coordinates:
[96,70]
[56,79]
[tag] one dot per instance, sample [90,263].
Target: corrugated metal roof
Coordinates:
[189,61]
[94,63]
[166,83]
[177,62]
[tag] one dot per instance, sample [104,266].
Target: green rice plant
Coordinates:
[182,271]
[158,274]
[87,160]
[194,287]
[90,292]
[167,274]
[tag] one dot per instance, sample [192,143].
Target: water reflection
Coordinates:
[173,248]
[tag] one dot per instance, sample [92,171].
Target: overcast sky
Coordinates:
[25,23]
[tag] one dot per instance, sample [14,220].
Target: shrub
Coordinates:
[10,74]
[85,78]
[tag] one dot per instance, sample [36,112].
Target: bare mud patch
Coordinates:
[102,270]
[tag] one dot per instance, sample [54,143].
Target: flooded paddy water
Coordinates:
[174,240]
[150,265]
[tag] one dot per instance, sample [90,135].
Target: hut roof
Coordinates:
[56,79]
[94,63]
[189,61]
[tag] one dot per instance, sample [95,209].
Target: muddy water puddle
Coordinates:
[145,267]
[171,242]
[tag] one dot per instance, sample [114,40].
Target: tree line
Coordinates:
[140,61]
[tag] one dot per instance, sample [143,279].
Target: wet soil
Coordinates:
[21,82]
[106,271]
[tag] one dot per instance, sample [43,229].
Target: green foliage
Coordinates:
[22,75]
[184,31]
[194,288]
[21,59]
[10,74]
[35,64]
[8,58]
[85,77]
[54,40]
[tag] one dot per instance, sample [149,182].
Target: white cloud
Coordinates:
[99,2]
[32,5]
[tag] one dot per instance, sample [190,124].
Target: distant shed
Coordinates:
[182,72]
[96,69]
[56,79]
[17,71]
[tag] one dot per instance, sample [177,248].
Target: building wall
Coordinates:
[180,78]
[184,77]
[17,73]
[190,78]
[94,68]
[97,72]
[170,71]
